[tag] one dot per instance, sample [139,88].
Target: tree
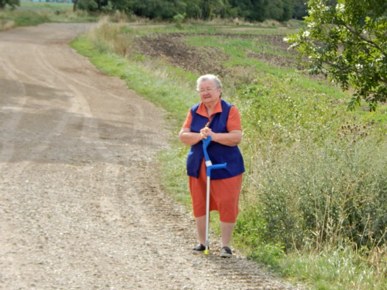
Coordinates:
[123,5]
[12,3]
[299,9]
[259,10]
[192,9]
[280,10]
[347,42]
[89,5]
[252,10]
[211,8]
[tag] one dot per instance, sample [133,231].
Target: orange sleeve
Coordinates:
[188,120]
[234,120]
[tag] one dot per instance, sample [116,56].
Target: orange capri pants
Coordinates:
[224,195]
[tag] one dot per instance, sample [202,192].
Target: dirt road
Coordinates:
[80,205]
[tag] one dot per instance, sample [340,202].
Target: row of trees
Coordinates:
[251,10]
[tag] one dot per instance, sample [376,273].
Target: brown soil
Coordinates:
[80,201]
[174,50]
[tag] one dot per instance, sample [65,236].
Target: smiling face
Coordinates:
[209,92]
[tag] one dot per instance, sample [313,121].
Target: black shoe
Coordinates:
[199,248]
[225,252]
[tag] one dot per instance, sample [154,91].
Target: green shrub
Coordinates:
[313,195]
[88,5]
[178,19]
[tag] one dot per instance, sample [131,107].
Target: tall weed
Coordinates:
[109,38]
[314,195]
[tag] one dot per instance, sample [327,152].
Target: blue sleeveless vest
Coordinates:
[218,153]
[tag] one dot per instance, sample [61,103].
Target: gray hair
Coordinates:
[209,77]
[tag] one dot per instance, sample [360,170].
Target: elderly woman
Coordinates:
[214,117]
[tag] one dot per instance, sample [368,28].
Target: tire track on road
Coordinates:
[9,125]
[111,171]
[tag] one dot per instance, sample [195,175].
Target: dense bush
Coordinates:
[88,5]
[316,180]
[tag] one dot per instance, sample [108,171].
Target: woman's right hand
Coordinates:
[205,132]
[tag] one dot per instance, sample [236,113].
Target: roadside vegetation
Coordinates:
[314,200]
[29,14]
[313,206]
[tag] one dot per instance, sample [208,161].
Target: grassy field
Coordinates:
[313,206]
